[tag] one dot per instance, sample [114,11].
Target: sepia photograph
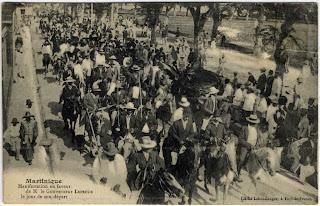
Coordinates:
[170,103]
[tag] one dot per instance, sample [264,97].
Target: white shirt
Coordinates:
[262,106]
[100,59]
[252,135]
[46,49]
[228,91]
[64,48]
[177,114]
[12,131]
[249,102]
[78,72]
[87,66]
[238,97]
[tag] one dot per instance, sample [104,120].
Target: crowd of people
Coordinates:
[119,106]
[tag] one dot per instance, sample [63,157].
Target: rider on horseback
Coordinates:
[69,97]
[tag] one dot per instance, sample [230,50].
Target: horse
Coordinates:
[222,167]
[263,160]
[70,113]
[187,168]
[155,185]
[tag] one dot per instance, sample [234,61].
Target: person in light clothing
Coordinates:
[272,109]
[78,71]
[262,107]
[247,140]
[210,104]
[228,90]
[12,137]
[100,58]
[249,102]
[110,168]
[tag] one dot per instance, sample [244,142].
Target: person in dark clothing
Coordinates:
[269,82]
[262,80]
[178,33]
[252,79]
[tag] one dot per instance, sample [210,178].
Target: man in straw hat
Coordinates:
[110,168]
[184,105]
[28,134]
[12,137]
[128,121]
[247,140]
[210,104]
[144,161]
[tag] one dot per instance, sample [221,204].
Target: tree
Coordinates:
[284,37]
[153,11]
[101,8]
[199,19]
[218,12]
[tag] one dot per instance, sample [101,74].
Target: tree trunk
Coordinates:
[258,47]
[280,56]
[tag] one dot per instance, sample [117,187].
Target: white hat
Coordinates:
[127,61]
[253,118]
[184,102]
[213,90]
[273,99]
[130,105]
[147,143]
[69,79]
[113,57]
[218,119]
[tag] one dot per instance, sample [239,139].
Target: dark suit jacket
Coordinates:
[177,134]
[261,84]
[139,159]
[134,125]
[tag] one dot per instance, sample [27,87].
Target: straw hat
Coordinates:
[113,57]
[69,79]
[110,149]
[147,143]
[135,68]
[253,119]
[130,106]
[184,102]
[127,61]
[213,90]
[273,99]
[148,106]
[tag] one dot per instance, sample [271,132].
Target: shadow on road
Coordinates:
[55,108]
[50,79]
[56,128]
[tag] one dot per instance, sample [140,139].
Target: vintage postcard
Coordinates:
[160,102]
